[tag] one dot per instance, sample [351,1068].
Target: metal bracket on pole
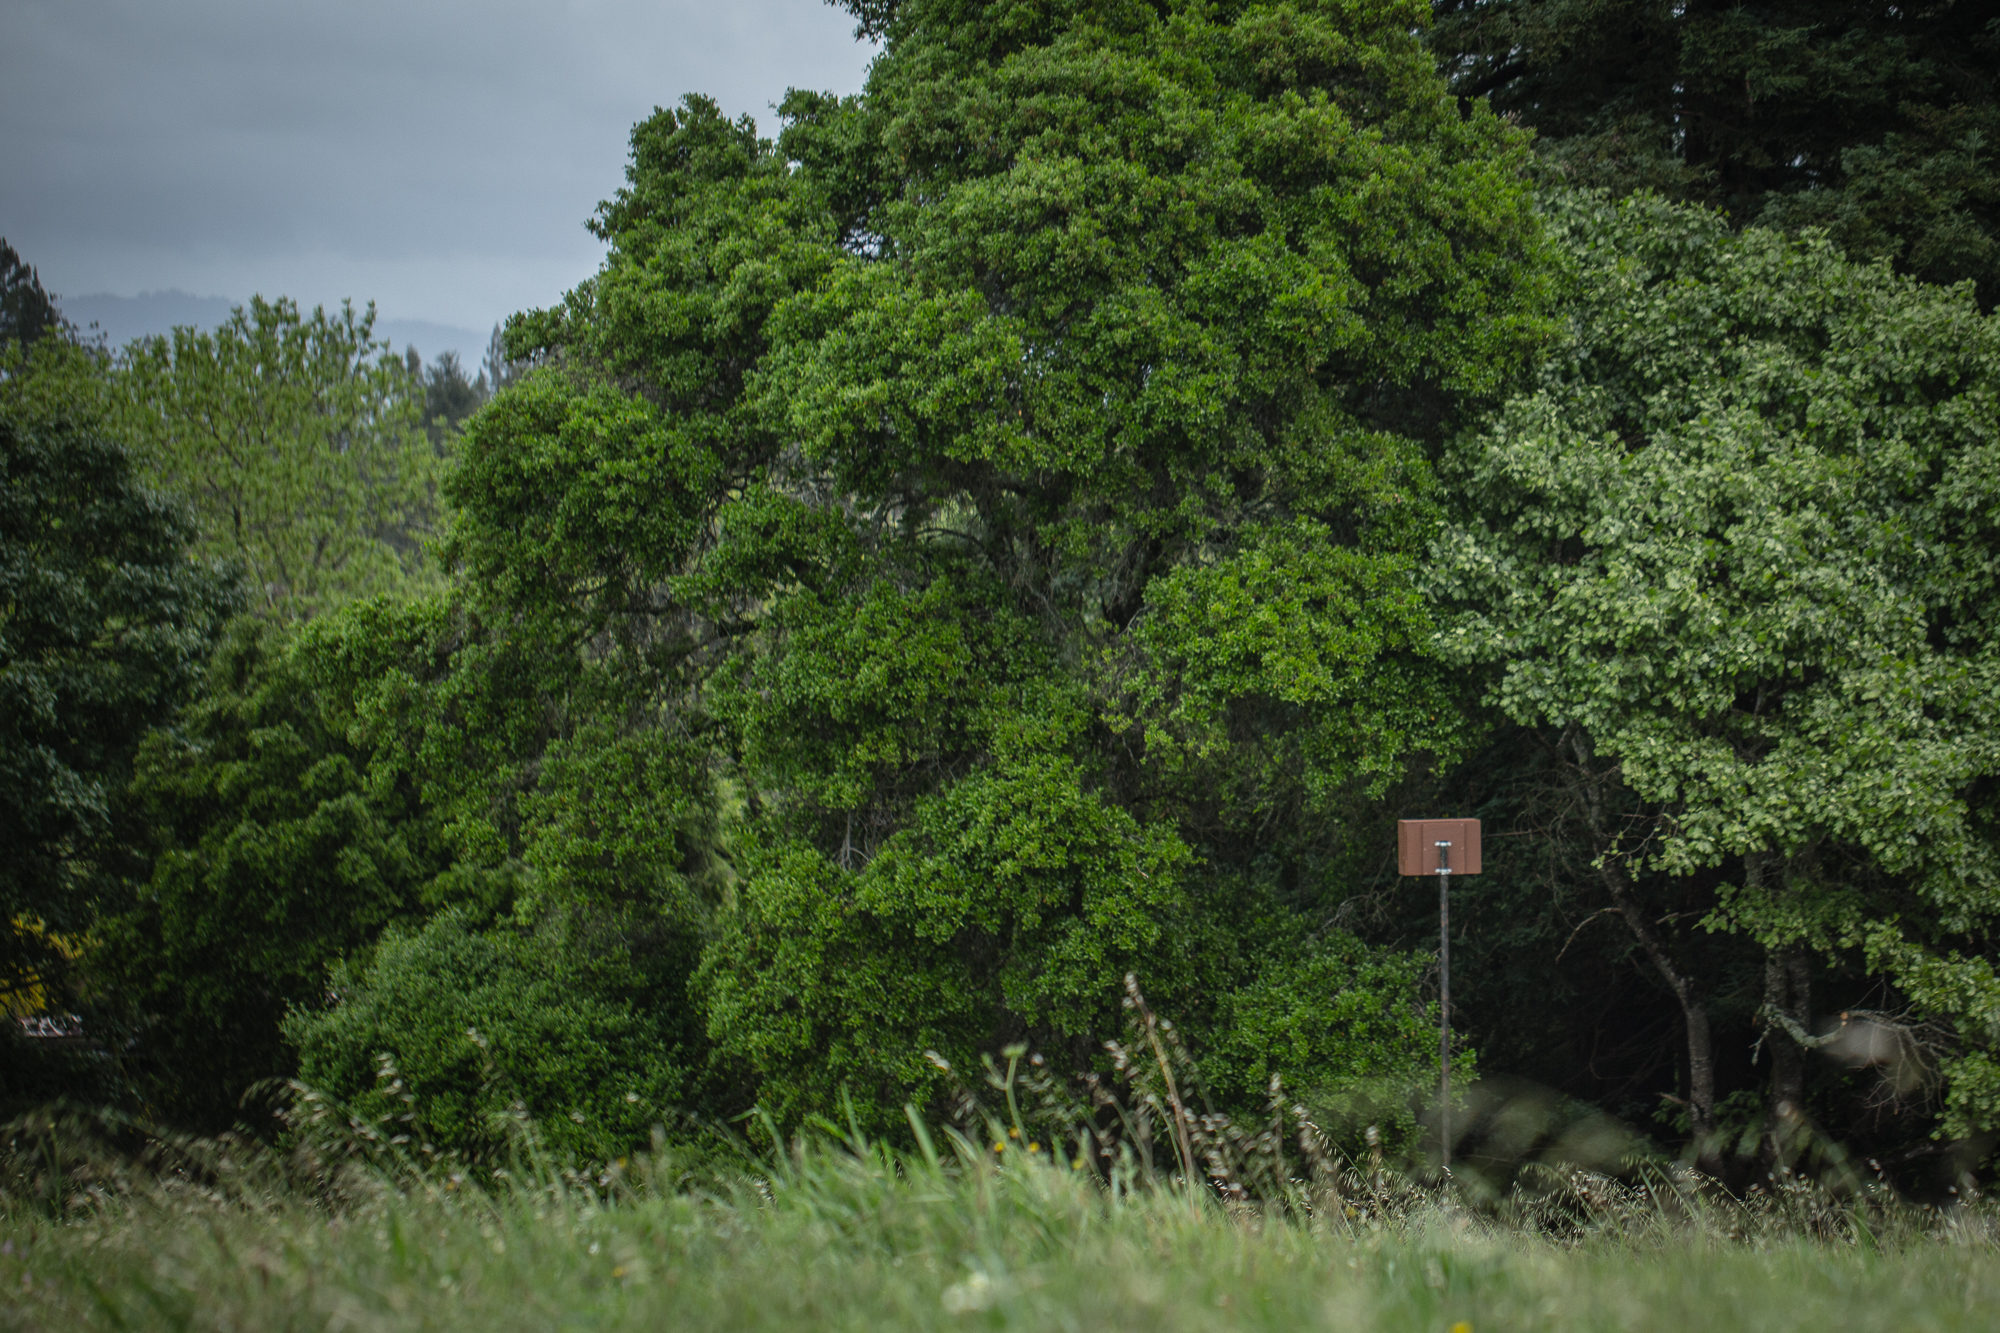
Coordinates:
[1429,847]
[1444,1003]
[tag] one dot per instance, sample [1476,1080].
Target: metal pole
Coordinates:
[1444,1002]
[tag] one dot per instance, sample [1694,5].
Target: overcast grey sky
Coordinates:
[437,156]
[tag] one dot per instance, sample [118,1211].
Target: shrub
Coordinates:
[455,1030]
[1341,1025]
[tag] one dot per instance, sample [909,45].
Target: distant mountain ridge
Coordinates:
[122,318]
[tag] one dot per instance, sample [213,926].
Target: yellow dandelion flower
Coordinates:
[1462,1326]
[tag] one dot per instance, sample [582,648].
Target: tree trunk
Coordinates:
[1788,1064]
[1788,1058]
[1786,1016]
[1694,1009]
[1694,1012]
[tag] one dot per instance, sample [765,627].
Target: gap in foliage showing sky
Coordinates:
[438,157]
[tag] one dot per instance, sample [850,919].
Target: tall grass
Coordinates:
[855,1235]
[1118,1207]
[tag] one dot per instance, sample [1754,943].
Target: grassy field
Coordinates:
[871,1241]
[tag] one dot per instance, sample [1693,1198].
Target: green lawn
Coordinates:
[872,1243]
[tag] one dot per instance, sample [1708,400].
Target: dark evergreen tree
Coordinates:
[26,311]
[498,370]
[450,396]
[1878,121]
[104,624]
[266,853]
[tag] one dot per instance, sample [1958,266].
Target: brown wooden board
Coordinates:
[1417,847]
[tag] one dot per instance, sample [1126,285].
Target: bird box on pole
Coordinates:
[1440,847]
[1437,847]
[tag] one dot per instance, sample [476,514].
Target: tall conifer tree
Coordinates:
[1880,122]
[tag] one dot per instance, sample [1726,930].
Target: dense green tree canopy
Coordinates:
[1038,522]
[1737,547]
[298,444]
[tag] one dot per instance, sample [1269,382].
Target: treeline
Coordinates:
[1043,519]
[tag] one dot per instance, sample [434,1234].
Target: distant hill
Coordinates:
[123,318]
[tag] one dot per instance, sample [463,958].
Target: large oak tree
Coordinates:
[1000,499]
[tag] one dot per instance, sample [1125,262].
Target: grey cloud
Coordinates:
[446,152]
